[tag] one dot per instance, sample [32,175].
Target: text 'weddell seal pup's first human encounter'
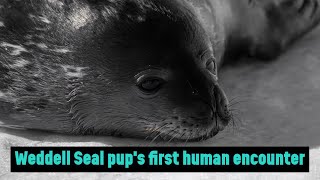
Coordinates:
[134,68]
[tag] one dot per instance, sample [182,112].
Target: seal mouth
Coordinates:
[201,128]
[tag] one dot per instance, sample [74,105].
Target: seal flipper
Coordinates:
[287,21]
[272,26]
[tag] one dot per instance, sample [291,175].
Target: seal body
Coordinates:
[133,68]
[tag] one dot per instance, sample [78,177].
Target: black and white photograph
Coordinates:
[160,73]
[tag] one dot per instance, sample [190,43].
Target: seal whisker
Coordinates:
[155,138]
[240,97]
[236,110]
[237,102]
[157,131]
[182,135]
[152,131]
[185,143]
[234,124]
[120,127]
[174,134]
[235,116]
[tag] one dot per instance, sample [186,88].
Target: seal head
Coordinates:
[133,68]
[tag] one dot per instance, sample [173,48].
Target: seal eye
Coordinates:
[151,85]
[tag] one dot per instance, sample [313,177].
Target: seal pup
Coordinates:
[134,68]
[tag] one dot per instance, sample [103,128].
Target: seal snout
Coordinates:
[205,83]
[222,102]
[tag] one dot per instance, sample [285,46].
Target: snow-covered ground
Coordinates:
[278,104]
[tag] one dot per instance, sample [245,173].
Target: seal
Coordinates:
[134,68]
